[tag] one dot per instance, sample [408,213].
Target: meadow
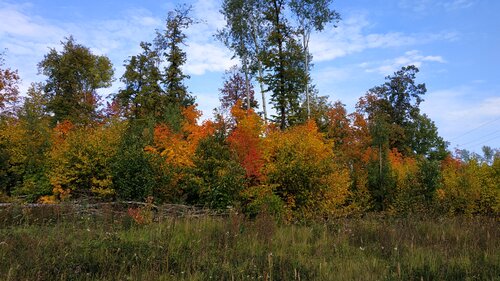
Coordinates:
[64,243]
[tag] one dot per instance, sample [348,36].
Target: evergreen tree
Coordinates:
[285,76]
[154,93]
[169,44]
[142,93]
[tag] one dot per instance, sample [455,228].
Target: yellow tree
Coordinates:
[303,166]
[80,160]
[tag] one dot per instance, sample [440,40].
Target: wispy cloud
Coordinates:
[353,36]
[458,4]
[207,57]
[455,113]
[28,36]
[413,57]
[16,23]
[421,6]
[204,53]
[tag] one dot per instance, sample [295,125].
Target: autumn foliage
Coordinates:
[246,141]
[384,157]
[302,165]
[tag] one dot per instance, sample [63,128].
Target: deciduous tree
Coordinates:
[73,77]
[9,89]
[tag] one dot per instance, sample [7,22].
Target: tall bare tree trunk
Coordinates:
[247,82]
[305,42]
[259,66]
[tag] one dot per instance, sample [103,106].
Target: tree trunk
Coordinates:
[247,82]
[281,67]
[305,41]
[259,65]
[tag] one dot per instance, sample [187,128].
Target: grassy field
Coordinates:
[62,244]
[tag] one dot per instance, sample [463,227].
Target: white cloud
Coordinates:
[459,110]
[16,23]
[206,57]
[204,54]
[458,4]
[329,74]
[352,36]
[28,37]
[413,57]
[424,6]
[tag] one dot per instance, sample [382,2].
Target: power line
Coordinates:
[481,140]
[472,130]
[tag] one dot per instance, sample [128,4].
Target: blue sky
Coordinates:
[454,43]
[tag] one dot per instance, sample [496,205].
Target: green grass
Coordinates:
[61,244]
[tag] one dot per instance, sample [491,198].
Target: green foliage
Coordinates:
[33,145]
[429,176]
[142,96]
[282,60]
[397,101]
[221,178]
[136,174]
[24,142]
[169,45]
[381,183]
[151,93]
[7,179]
[263,199]
[73,76]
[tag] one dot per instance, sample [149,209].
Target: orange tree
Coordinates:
[177,151]
[245,140]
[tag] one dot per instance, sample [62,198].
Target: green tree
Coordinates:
[73,76]
[136,173]
[169,43]
[380,181]
[244,34]
[142,93]
[398,100]
[311,15]
[35,143]
[154,93]
[424,139]
[221,178]
[282,59]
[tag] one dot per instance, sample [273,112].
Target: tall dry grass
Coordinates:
[60,243]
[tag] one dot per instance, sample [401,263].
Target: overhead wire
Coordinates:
[482,139]
[473,129]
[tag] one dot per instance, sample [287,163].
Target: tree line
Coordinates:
[312,159]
